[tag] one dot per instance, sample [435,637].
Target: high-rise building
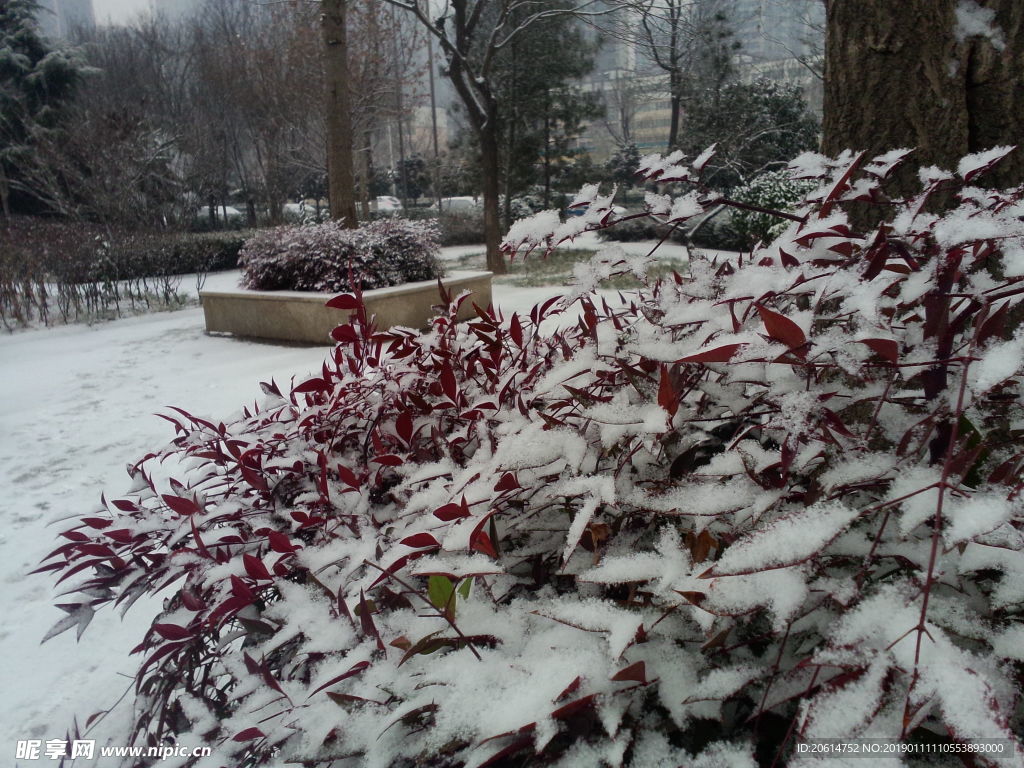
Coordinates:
[175,9]
[60,19]
[770,30]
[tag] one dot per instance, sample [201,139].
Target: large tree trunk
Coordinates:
[995,93]
[489,170]
[675,101]
[897,76]
[340,171]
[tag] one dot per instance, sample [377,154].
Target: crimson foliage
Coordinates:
[328,257]
[775,499]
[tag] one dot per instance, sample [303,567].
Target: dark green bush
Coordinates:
[719,233]
[634,230]
[82,271]
[463,228]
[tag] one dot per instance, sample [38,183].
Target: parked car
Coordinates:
[293,211]
[225,216]
[618,210]
[386,204]
[457,204]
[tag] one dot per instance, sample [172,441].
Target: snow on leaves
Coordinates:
[785,485]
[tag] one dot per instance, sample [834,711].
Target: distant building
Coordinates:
[771,30]
[60,19]
[175,9]
[780,40]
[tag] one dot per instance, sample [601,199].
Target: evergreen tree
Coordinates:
[542,108]
[623,164]
[36,83]
[757,126]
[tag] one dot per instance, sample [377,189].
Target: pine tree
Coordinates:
[36,84]
[757,126]
[541,109]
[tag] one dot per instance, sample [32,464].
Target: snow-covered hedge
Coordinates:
[774,191]
[328,257]
[772,500]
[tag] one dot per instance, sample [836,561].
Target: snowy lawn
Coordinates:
[79,404]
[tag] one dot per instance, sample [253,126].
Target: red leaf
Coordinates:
[508,482]
[575,706]
[191,600]
[836,423]
[993,325]
[97,522]
[180,505]
[281,543]
[356,668]
[172,632]
[884,348]
[667,396]
[241,590]
[121,535]
[312,385]
[345,334]
[782,329]
[388,460]
[255,568]
[125,506]
[254,479]
[403,426]
[479,541]
[451,512]
[420,541]
[717,355]
[366,620]
[448,383]
[515,330]
[636,672]
[348,476]
[249,734]
[344,301]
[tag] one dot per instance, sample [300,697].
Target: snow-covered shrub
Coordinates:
[634,230]
[52,269]
[461,227]
[771,191]
[526,205]
[325,257]
[773,500]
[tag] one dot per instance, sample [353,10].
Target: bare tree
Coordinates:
[689,41]
[623,99]
[471,35]
[340,171]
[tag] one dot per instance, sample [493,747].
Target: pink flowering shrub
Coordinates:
[325,257]
[773,500]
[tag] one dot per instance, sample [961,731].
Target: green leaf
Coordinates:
[464,588]
[441,592]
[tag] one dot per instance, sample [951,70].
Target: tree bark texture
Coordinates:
[490,172]
[896,75]
[340,169]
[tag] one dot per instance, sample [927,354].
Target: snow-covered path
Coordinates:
[78,404]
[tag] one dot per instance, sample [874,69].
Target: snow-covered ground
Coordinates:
[78,404]
[589,241]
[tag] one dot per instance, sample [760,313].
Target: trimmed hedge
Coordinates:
[328,257]
[81,271]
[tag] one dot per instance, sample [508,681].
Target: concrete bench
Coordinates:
[303,317]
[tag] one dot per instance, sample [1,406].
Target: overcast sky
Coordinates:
[118,11]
